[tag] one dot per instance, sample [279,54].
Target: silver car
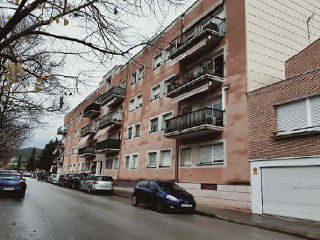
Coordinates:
[93,183]
[55,178]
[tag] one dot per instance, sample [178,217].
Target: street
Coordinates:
[52,212]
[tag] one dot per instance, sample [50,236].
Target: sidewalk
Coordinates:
[302,229]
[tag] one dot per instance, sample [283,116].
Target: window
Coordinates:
[137,130]
[155,92]
[171,49]
[131,105]
[141,73]
[157,61]
[82,167]
[165,158]
[152,160]
[165,117]
[133,78]
[135,161]
[129,133]
[123,84]
[139,101]
[211,154]
[109,162]
[116,163]
[185,156]
[154,125]
[299,116]
[127,162]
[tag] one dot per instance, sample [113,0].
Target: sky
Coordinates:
[144,26]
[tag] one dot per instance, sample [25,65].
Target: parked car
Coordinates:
[75,180]
[50,177]
[163,195]
[55,178]
[65,179]
[61,180]
[27,174]
[93,183]
[43,176]
[12,182]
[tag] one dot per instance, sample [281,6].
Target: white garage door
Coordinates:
[292,192]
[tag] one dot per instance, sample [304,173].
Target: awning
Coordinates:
[101,132]
[191,93]
[188,52]
[83,142]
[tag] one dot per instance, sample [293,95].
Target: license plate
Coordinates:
[186,205]
[8,189]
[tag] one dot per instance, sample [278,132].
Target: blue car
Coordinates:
[12,182]
[163,195]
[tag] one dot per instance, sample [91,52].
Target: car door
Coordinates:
[141,191]
[85,182]
[150,193]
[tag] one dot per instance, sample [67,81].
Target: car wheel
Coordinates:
[89,190]
[22,194]
[159,206]
[80,188]
[73,186]
[135,201]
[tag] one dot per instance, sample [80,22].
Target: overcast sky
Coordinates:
[146,26]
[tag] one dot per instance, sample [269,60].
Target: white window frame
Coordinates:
[141,70]
[180,160]
[152,95]
[137,101]
[131,104]
[128,136]
[131,78]
[160,64]
[161,155]
[148,159]
[150,126]
[125,162]
[116,160]
[105,164]
[162,123]
[135,130]
[132,159]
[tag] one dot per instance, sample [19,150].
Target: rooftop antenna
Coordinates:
[309,19]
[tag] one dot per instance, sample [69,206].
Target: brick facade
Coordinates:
[306,60]
[263,118]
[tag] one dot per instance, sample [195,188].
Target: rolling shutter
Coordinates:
[185,157]
[315,110]
[166,158]
[292,116]
[218,153]
[206,154]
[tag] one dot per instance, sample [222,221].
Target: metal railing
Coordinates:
[92,107]
[88,129]
[86,150]
[213,24]
[108,144]
[208,66]
[110,117]
[62,130]
[193,119]
[113,91]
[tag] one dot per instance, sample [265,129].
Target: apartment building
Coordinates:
[284,140]
[178,111]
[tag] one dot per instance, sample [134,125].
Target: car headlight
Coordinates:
[172,198]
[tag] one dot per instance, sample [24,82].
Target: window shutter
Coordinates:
[166,158]
[315,110]
[218,153]
[206,154]
[152,160]
[185,156]
[292,116]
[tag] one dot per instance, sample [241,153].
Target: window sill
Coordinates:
[151,167]
[164,166]
[307,132]
[209,164]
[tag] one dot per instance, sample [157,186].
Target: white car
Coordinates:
[55,178]
[93,183]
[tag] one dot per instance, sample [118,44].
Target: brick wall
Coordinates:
[263,118]
[308,59]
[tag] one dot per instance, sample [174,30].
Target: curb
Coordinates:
[278,229]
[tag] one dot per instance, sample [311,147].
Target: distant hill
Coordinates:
[26,153]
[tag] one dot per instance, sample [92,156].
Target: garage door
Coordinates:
[292,192]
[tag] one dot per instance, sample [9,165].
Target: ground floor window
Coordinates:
[211,154]
[109,163]
[185,157]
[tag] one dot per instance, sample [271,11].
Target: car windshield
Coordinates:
[10,176]
[104,178]
[168,186]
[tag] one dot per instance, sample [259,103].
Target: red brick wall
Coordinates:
[308,59]
[263,119]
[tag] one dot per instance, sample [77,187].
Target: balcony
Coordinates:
[195,124]
[92,111]
[112,97]
[87,152]
[207,32]
[112,118]
[207,74]
[62,131]
[108,146]
[88,129]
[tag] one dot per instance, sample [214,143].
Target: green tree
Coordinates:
[31,162]
[45,159]
[19,162]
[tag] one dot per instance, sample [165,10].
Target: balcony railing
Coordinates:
[204,116]
[86,151]
[111,118]
[92,110]
[62,131]
[88,129]
[113,92]
[109,145]
[207,70]
[212,26]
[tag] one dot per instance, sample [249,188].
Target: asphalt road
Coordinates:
[51,212]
